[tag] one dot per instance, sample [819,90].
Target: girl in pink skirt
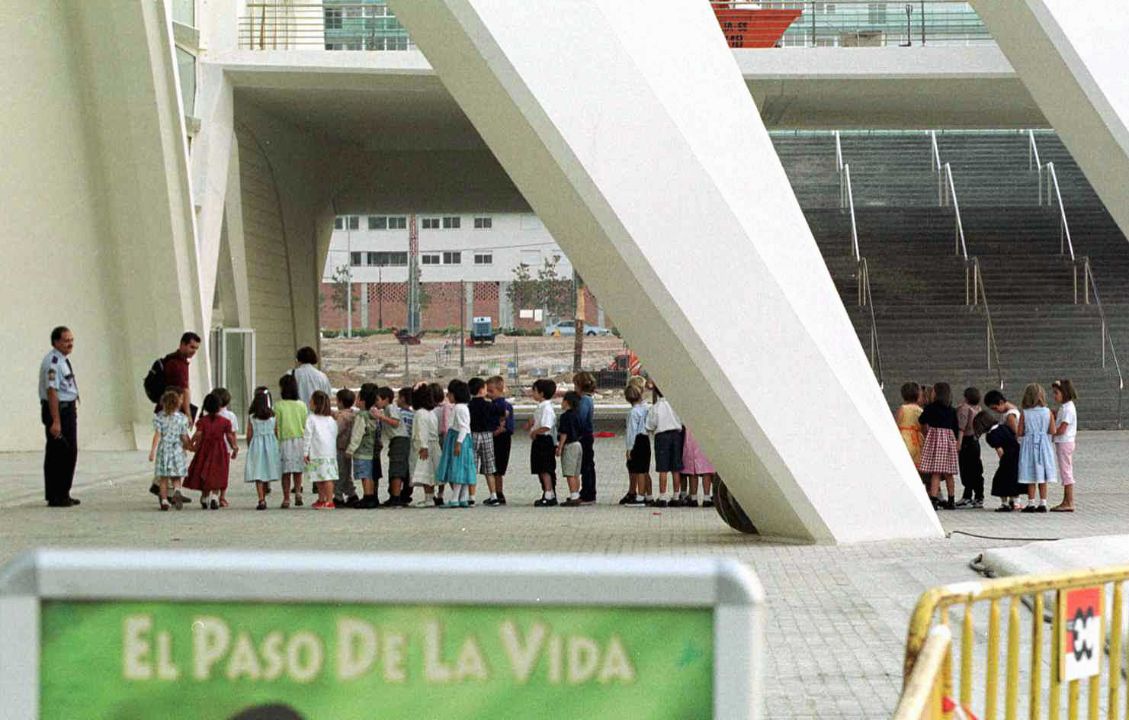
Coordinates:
[1066,429]
[694,465]
[939,454]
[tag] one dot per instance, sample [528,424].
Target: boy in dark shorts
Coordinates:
[396,437]
[542,453]
[483,423]
[503,434]
[638,448]
[569,449]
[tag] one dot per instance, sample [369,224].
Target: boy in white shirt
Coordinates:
[667,429]
[542,454]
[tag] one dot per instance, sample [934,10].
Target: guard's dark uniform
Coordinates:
[62,452]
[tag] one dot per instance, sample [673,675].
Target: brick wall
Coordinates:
[389,301]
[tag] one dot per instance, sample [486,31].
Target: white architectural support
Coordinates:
[656,175]
[1071,57]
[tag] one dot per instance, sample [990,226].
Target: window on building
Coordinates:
[429,259]
[386,259]
[452,223]
[876,13]
[332,18]
[483,223]
[353,222]
[452,258]
[375,11]
[398,222]
[355,259]
[825,7]
[377,222]
[338,223]
[484,258]
[430,224]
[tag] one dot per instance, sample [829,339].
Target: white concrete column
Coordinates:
[364,305]
[634,138]
[1071,57]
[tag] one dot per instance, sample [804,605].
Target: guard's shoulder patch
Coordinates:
[54,359]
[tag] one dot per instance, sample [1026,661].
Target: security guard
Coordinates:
[58,400]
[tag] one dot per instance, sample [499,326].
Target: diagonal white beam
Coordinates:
[1071,57]
[629,129]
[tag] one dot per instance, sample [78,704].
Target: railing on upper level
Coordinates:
[326,25]
[333,25]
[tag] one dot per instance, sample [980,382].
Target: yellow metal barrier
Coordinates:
[922,697]
[1071,654]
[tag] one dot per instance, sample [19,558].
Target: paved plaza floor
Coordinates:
[837,615]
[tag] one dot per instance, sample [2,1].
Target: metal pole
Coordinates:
[812,24]
[349,280]
[922,22]
[407,371]
[462,324]
[517,362]
[380,297]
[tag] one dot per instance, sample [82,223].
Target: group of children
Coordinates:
[435,440]
[1035,444]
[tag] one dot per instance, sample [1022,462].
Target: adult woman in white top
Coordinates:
[1066,429]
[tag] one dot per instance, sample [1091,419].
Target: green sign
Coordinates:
[235,660]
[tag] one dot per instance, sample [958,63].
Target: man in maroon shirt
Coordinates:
[176,375]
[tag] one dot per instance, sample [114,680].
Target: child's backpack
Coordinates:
[154,380]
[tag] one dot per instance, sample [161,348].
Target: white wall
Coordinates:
[512,240]
[96,222]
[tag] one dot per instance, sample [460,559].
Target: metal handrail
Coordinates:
[1034,163]
[936,167]
[850,199]
[950,197]
[980,296]
[1091,285]
[867,300]
[838,153]
[1065,241]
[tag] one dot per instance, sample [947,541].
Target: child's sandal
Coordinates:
[285,505]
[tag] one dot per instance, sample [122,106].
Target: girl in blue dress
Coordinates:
[456,468]
[264,462]
[1036,448]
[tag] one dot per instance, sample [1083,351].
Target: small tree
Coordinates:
[342,287]
[544,290]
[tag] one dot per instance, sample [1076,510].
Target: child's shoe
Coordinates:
[501,498]
[262,505]
[492,502]
[708,502]
[329,505]
[546,502]
[571,502]
[164,505]
[297,499]
[690,502]
[318,505]
[466,503]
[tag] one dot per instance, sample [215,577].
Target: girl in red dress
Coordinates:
[208,471]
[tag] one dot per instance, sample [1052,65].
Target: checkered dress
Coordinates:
[939,455]
[484,452]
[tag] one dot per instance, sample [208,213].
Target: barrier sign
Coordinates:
[1080,617]
[225,636]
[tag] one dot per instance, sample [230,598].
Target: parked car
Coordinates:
[567,328]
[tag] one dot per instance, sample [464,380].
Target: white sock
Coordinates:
[550,495]
[694,497]
[493,496]
[574,496]
[1042,503]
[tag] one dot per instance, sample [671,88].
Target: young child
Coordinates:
[638,444]
[667,429]
[170,440]
[907,417]
[215,446]
[1008,412]
[225,412]
[1066,431]
[425,444]
[456,467]
[407,417]
[585,385]
[645,385]
[321,449]
[542,453]
[363,447]
[968,458]
[291,415]
[1036,448]
[503,434]
[483,423]
[569,448]
[344,490]
[1001,438]
[264,463]
[939,455]
[395,435]
[696,465]
[439,407]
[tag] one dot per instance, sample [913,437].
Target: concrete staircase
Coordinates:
[927,333]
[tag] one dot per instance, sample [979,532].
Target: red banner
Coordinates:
[755,28]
